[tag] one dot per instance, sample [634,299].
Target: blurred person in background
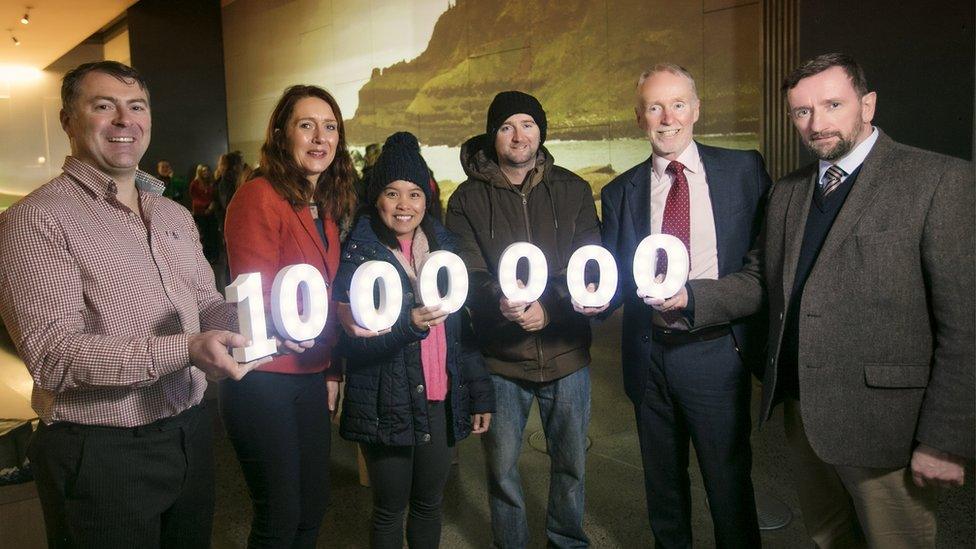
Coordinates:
[176,188]
[202,190]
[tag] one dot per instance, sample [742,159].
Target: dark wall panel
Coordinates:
[918,56]
[178,47]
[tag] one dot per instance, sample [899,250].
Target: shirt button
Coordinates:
[781,316]
[426,437]
[645,338]
[420,388]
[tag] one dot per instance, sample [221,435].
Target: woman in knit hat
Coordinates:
[416,390]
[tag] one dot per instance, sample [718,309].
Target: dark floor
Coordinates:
[615,495]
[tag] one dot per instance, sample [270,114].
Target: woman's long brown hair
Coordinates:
[335,191]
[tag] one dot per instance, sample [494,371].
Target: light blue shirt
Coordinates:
[852,160]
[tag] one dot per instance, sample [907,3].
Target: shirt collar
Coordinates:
[101,184]
[689,157]
[852,160]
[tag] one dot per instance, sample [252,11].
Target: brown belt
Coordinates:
[670,337]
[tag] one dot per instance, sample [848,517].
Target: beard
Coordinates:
[844,145]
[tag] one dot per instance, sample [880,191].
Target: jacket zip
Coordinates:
[528,235]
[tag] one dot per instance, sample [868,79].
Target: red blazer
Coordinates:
[265,234]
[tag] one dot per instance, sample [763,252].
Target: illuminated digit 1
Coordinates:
[645,262]
[457,281]
[576,282]
[361,295]
[246,292]
[284,305]
[538,272]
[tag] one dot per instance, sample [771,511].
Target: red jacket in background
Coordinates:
[201,196]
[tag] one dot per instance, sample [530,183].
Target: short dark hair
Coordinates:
[121,72]
[826,61]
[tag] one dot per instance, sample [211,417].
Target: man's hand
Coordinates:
[332,388]
[423,318]
[534,318]
[932,467]
[589,311]
[512,310]
[480,423]
[675,303]
[209,352]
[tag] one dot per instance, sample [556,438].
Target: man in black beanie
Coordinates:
[538,350]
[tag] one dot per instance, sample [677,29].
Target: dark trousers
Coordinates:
[410,474]
[146,487]
[280,428]
[698,391]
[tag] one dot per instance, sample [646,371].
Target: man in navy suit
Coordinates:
[687,384]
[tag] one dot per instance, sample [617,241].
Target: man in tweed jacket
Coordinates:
[866,261]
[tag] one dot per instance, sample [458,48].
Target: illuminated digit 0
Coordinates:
[457,281]
[538,272]
[575,281]
[246,292]
[308,280]
[361,295]
[645,262]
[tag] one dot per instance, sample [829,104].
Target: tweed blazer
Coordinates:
[886,321]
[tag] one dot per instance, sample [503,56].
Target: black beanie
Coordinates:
[506,104]
[400,160]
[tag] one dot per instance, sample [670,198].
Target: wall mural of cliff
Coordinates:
[580,57]
[433,66]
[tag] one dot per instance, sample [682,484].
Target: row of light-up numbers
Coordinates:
[306,280]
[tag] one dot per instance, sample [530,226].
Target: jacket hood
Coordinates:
[481,165]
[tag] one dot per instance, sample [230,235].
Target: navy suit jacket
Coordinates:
[737,185]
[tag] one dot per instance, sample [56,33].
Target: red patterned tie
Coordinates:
[676,222]
[677,212]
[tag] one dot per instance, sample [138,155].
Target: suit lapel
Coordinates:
[638,197]
[721,195]
[309,224]
[795,227]
[860,197]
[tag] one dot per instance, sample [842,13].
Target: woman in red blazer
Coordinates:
[277,416]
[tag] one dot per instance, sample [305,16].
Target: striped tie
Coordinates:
[831,180]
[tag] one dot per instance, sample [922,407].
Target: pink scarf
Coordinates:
[433,349]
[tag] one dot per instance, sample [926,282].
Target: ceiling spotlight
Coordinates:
[26,18]
[16,42]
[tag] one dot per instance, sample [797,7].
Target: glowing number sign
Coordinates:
[645,261]
[576,283]
[246,292]
[284,305]
[457,276]
[361,295]
[538,272]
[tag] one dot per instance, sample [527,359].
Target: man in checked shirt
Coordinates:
[112,306]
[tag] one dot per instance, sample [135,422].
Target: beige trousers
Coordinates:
[845,506]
